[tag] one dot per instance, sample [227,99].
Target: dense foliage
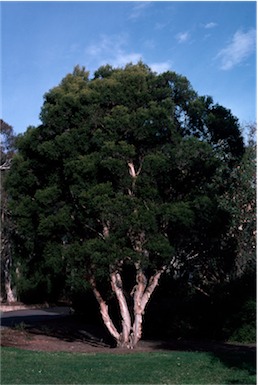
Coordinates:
[127,170]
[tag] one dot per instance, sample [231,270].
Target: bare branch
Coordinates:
[153,283]
[132,170]
[106,227]
[6,165]
[95,231]
[201,290]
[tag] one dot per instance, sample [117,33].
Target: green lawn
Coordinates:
[27,367]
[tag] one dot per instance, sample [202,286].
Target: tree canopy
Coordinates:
[125,171]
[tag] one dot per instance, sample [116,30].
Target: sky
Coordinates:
[212,43]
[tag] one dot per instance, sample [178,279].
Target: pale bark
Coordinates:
[143,288]
[134,174]
[153,283]
[6,262]
[10,296]
[142,294]
[102,304]
[6,255]
[104,311]
[132,171]
[106,229]
[138,310]
[9,292]
[131,332]
[117,287]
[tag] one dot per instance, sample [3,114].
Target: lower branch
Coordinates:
[153,283]
[104,310]
[142,294]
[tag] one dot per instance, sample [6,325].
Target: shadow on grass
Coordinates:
[237,356]
[66,328]
[75,329]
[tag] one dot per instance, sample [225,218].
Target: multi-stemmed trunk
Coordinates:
[131,326]
[131,322]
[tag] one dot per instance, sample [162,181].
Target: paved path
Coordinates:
[32,316]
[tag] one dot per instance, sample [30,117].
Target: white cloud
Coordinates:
[139,9]
[106,44]
[238,50]
[111,50]
[160,67]
[122,58]
[182,37]
[159,26]
[210,25]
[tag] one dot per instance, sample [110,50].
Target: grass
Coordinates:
[27,367]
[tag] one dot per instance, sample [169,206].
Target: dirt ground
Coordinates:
[65,335]
[70,334]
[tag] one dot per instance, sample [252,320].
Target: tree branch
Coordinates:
[104,310]
[117,287]
[133,174]
[153,283]
[6,165]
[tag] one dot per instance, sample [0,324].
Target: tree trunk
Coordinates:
[142,294]
[10,296]
[131,332]
[104,311]
[5,236]
[6,265]
[117,287]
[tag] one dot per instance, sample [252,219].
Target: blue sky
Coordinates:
[213,44]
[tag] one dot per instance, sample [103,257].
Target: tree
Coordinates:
[7,153]
[240,200]
[118,185]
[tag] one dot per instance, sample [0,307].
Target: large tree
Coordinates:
[119,184]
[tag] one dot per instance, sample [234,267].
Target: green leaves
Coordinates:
[160,251]
[125,155]
[118,150]
[179,214]
[224,130]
